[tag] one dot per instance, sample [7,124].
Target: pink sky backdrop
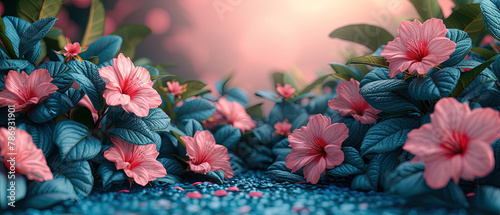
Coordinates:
[210,39]
[252,38]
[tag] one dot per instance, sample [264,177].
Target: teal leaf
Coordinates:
[41,134]
[387,94]
[281,149]
[408,182]
[491,16]
[197,109]
[436,84]
[227,136]
[31,37]
[79,174]
[488,199]
[56,105]
[282,173]
[269,95]
[464,45]
[109,175]
[75,141]
[130,128]
[105,48]
[190,126]
[156,120]
[264,133]
[172,166]
[87,76]
[48,193]
[388,135]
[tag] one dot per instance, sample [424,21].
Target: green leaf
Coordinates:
[313,84]
[468,19]
[369,60]
[428,9]
[343,72]
[461,3]
[161,76]
[6,41]
[468,77]
[193,88]
[255,110]
[368,35]
[132,35]
[278,78]
[178,136]
[95,25]
[288,79]
[55,39]
[31,10]
[483,52]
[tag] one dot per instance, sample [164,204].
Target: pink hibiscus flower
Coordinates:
[235,114]
[350,102]
[285,91]
[282,128]
[25,91]
[29,160]
[205,156]
[419,47]
[317,147]
[176,89]
[129,86]
[137,161]
[456,144]
[71,50]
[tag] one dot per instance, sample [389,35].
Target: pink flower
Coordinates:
[205,156]
[235,114]
[350,102]
[85,102]
[456,144]
[282,128]
[214,120]
[71,50]
[285,91]
[176,89]
[25,91]
[129,86]
[316,146]
[419,47]
[29,160]
[137,161]
[255,194]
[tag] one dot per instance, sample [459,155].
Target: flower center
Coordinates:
[417,50]
[455,143]
[359,107]
[319,145]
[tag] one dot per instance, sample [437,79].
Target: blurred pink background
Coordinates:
[210,39]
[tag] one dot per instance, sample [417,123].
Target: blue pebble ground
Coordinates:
[277,198]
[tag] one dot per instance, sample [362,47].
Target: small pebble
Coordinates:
[179,188]
[470,194]
[233,189]
[123,191]
[208,182]
[245,209]
[220,193]
[194,195]
[197,183]
[255,193]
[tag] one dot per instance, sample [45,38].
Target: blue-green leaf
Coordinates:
[109,175]
[281,172]
[75,141]
[104,48]
[227,136]
[387,135]
[197,109]
[436,84]
[79,174]
[48,193]
[491,16]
